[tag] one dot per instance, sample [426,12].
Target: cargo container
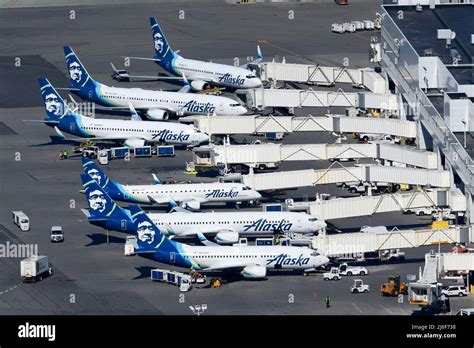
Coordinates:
[35,268]
[143,151]
[119,152]
[165,151]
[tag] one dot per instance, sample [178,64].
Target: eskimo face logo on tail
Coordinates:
[283,259]
[96,175]
[75,71]
[97,201]
[145,231]
[159,43]
[53,104]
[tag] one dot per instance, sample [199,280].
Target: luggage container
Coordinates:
[369,25]
[165,151]
[275,135]
[35,268]
[144,151]
[350,27]
[120,152]
[337,28]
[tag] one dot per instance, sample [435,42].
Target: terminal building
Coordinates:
[427,57]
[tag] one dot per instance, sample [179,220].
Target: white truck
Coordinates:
[333,274]
[57,234]
[21,220]
[365,137]
[346,270]
[35,268]
[393,254]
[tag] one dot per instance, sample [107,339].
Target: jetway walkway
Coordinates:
[271,155]
[346,244]
[340,208]
[364,173]
[260,98]
[288,124]
[322,75]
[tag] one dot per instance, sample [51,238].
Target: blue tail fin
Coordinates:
[163,51]
[149,237]
[55,106]
[93,170]
[78,75]
[101,206]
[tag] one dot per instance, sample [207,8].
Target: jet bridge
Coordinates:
[322,75]
[333,175]
[271,155]
[261,98]
[350,244]
[287,124]
[340,208]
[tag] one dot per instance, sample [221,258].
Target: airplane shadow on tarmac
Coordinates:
[100,238]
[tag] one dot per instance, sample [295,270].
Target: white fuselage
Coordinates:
[178,103]
[189,193]
[285,257]
[243,223]
[219,74]
[154,132]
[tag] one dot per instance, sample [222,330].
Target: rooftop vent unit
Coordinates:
[428,52]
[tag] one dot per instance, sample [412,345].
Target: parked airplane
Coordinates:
[227,227]
[188,195]
[132,133]
[253,261]
[156,105]
[203,75]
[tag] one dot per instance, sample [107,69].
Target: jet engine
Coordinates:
[157,114]
[227,237]
[199,85]
[254,272]
[133,143]
[193,205]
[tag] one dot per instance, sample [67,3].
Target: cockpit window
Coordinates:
[246,188]
[315,253]
[312,219]
[234,105]
[250,76]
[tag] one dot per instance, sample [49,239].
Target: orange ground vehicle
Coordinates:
[394,287]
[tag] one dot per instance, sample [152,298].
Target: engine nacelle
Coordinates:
[133,143]
[254,272]
[227,237]
[157,115]
[193,205]
[199,85]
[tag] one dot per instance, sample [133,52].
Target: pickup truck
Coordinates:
[393,254]
[346,270]
[333,274]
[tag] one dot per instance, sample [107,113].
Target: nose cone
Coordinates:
[257,195]
[323,260]
[241,110]
[255,83]
[203,138]
[321,224]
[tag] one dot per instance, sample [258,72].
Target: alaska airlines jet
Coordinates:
[188,195]
[202,74]
[132,133]
[253,261]
[157,105]
[227,227]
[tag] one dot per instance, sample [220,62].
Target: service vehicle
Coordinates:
[57,234]
[393,254]
[455,290]
[359,287]
[21,220]
[333,274]
[35,268]
[394,286]
[346,270]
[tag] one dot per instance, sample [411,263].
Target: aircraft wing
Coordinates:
[230,265]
